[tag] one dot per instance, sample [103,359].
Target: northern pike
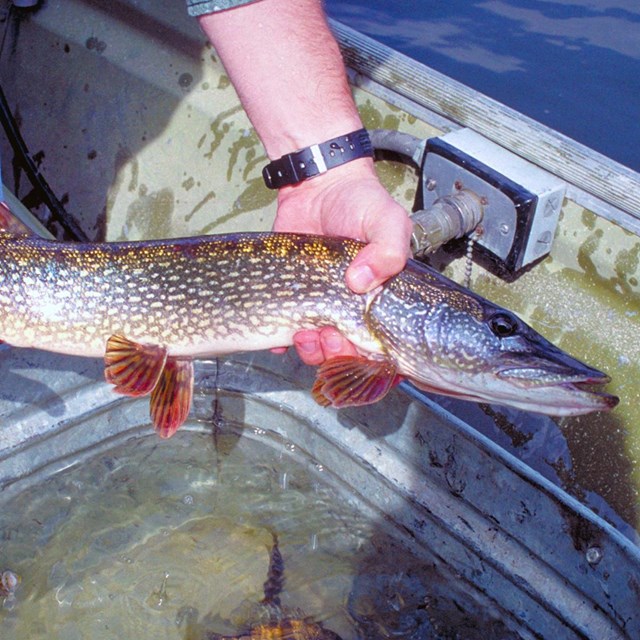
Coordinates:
[151,307]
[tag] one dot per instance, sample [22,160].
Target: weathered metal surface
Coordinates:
[551,566]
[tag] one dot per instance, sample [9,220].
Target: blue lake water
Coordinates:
[572,64]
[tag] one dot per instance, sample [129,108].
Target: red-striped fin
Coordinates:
[133,368]
[352,381]
[171,399]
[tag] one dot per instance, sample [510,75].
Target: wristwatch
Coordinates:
[312,161]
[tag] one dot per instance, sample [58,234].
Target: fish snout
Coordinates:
[532,356]
[566,385]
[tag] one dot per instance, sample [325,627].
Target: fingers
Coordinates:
[314,347]
[384,256]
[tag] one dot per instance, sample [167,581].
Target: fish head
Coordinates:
[449,340]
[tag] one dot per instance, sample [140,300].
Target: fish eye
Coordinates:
[503,325]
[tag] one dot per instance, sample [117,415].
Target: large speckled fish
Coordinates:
[154,306]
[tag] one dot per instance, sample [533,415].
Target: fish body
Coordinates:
[198,297]
[152,307]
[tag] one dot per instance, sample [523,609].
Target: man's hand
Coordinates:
[347,201]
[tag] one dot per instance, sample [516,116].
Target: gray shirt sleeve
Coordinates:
[200,7]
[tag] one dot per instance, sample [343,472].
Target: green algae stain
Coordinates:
[150,216]
[188,184]
[586,251]
[371,117]
[588,219]
[135,176]
[210,196]
[223,82]
[247,143]
[626,266]
[219,129]
[253,160]
[391,122]
[254,197]
[392,175]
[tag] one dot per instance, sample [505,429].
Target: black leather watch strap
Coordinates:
[317,159]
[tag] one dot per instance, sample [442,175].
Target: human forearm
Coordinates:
[287,69]
[303,96]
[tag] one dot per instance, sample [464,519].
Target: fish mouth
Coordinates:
[559,387]
[561,384]
[543,374]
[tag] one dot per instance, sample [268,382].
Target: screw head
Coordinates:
[594,555]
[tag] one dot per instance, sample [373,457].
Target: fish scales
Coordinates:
[191,295]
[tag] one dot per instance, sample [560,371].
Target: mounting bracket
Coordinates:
[521,202]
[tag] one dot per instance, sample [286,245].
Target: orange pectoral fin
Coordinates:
[351,381]
[171,399]
[133,368]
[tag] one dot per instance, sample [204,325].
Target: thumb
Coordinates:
[389,234]
[373,265]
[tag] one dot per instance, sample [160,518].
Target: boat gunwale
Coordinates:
[606,187]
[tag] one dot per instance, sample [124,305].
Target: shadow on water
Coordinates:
[420,594]
[397,590]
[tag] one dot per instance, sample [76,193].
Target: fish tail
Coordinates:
[274,584]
